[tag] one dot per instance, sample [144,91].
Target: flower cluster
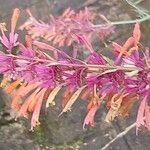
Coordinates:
[36,71]
[68,29]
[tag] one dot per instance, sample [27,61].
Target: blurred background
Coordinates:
[66,133]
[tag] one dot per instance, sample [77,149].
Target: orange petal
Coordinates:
[115,105]
[66,12]
[52,95]
[32,104]
[29,88]
[36,113]
[108,105]
[141,111]
[27,105]
[15,101]
[13,86]
[126,105]
[90,105]
[33,101]
[89,119]
[147,117]
[48,91]
[29,12]
[14,19]
[28,41]
[4,81]
[86,93]
[72,100]
[126,46]
[95,100]
[118,48]
[66,97]
[137,33]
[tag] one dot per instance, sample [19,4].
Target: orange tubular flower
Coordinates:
[21,92]
[14,19]
[92,109]
[28,105]
[136,33]
[37,108]
[10,88]
[67,95]
[85,94]
[15,104]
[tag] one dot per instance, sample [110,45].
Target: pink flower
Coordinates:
[48,75]
[143,116]
[95,58]
[7,64]
[11,41]
[67,29]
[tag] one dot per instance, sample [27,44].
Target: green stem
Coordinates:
[123,22]
[137,2]
[145,17]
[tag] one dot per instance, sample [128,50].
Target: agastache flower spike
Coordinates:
[68,29]
[37,71]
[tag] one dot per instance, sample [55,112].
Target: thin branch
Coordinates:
[119,136]
[123,22]
[138,1]
[145,16]
[89,66]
